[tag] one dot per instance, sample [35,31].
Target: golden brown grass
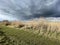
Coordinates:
[44,27]
[40,24]
[40,27]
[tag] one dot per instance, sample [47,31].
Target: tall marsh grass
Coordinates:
[34,32]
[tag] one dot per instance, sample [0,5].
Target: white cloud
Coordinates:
[6,17]
[3,17]
[50,2]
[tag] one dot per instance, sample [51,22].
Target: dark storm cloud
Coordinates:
[29,9]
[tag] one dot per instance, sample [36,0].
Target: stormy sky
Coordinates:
[28,9]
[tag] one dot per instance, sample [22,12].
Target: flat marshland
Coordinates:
[30,33]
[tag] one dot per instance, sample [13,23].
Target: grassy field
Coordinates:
[12,36]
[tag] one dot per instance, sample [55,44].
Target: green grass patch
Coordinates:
[21,37]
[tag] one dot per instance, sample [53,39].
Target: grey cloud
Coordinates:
[28,9]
